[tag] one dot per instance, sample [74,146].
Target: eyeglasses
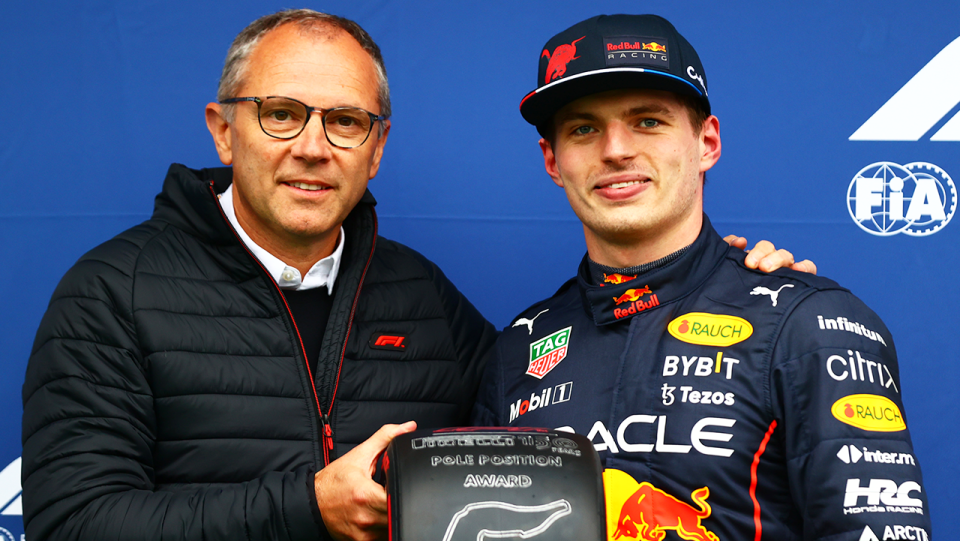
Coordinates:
[285,118]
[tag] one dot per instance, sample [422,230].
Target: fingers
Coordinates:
[761,251]
[352,505]
[381,438]
[736,242]
[805,266]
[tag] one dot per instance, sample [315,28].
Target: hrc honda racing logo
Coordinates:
[547,397]
[882,496]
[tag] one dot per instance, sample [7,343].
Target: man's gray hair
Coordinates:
[235,66]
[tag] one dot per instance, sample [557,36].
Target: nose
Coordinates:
[312,145]
[619,143]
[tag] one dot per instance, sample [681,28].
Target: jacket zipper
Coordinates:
[328,428]
[326,435]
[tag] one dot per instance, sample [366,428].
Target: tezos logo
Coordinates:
[916,199]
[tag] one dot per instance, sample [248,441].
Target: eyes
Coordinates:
[583,130]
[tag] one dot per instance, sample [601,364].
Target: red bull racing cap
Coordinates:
[610,52]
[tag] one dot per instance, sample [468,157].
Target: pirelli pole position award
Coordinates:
[471,484]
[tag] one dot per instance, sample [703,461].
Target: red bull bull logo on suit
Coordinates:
[643,511]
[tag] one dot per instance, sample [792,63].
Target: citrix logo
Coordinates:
[921,104]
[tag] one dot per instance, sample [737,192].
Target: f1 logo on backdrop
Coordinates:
[919,198]
[921,104]
[10,502]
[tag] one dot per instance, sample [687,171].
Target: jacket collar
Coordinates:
[188,201]
[609,303]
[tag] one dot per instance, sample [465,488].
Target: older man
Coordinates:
[206,374]
[725,403]
[197,376]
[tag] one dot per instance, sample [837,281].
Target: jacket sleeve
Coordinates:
[473,336]
[89,431]
[835,389]
[490,393]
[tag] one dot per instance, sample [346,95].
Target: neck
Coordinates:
[621,253]
[299,254]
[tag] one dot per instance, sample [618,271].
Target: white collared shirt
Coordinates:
[323,272]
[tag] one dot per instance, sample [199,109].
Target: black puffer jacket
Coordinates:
[167,395]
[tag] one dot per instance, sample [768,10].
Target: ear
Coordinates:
[550,162]
[709,143]
[220,130]
[378,152]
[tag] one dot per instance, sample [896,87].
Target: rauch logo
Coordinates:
[869,412]
[710,329]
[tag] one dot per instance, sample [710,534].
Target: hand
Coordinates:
[766,257]
[353,506]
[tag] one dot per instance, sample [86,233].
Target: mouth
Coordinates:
[307,186]
[622,187]
[624,184]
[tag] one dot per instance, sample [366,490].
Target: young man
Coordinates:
[725,403]
[223,370]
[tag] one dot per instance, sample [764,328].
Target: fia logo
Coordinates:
[921,104]
[916,199]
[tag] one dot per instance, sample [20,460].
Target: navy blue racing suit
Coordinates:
[725,403]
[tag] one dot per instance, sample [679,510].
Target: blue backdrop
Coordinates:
[100,96]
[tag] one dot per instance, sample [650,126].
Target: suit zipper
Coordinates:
[326,434]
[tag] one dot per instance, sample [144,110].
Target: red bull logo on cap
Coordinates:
[561,56]
[643,511]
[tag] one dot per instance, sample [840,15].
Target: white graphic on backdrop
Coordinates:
[916,199]
[922,103]
[10,489]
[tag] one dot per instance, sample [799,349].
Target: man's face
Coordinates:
[630,163]
[294,194]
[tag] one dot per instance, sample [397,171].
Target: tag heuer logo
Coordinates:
[547,353]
